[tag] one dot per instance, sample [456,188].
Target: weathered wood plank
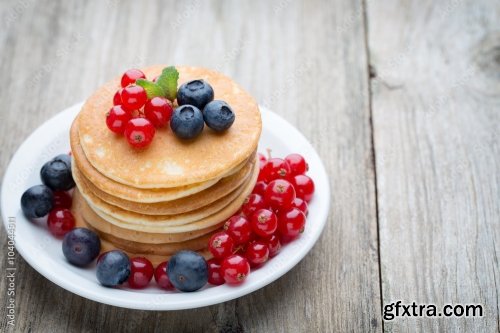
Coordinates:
[304,59]
[436,97]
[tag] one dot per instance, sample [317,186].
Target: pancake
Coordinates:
[155,259]
[177,219]
[96,222]
[216,219]
[222,188]
[169,161]
[129,193]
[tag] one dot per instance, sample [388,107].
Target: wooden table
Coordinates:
[400,98]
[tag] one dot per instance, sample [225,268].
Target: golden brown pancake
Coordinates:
[105,209]
[130,193]
[155,258]
[96,222]
[186,204]
[159,227]
[169,161]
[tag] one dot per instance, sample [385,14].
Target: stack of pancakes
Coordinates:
[172,195]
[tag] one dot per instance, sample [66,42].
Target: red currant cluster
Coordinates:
[134,115]
[274,214]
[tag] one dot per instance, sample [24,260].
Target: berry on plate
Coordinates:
[187,122]
[187,271]
[139,132]
[141,272]
[196,92]
[235,269]
[117,118]
[60,221]
[161,276]
[291,223]
[279,194]
[257,253]
[62,199]
[56,173]
[214,274]
[218,115]
[252,203]
[133,97]
[130,76]
[37,201]
[264,222]
[297,163]
[239,228]
[81,246]
[304,187]
[275,168]
[221,245]
[301,205]
[113,268]
[274,245]
[260,188]
[158,111]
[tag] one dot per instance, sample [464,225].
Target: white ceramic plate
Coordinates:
[43,252]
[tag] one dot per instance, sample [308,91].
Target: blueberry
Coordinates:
[187,270]
[218,115]
[56,173]
[113,268]
[196,92]
[81,246]
[187,122]
[37,201]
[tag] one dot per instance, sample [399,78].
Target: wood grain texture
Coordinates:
[435,105]
[304,59]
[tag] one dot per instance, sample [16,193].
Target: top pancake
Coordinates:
[169,161]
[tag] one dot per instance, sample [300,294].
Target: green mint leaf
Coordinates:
[168,82]
[152,89]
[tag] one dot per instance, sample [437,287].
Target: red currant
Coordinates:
[297,163]
[261,176]
[260,188]
[139,132]
[141,272]
[60,221]
[214,272]
[161,276]
[117,98]
[279,194]
[257,253]
[117,119]
[62,199]
[133,97]
[252,203]
[291,223]
[130,76]
[274,245]
[158,111]
[239,228]
[264,222]
[235,269]
[304,187]
[276,168]
[301,205]
[221,245]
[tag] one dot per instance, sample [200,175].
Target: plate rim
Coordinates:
[113,296]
